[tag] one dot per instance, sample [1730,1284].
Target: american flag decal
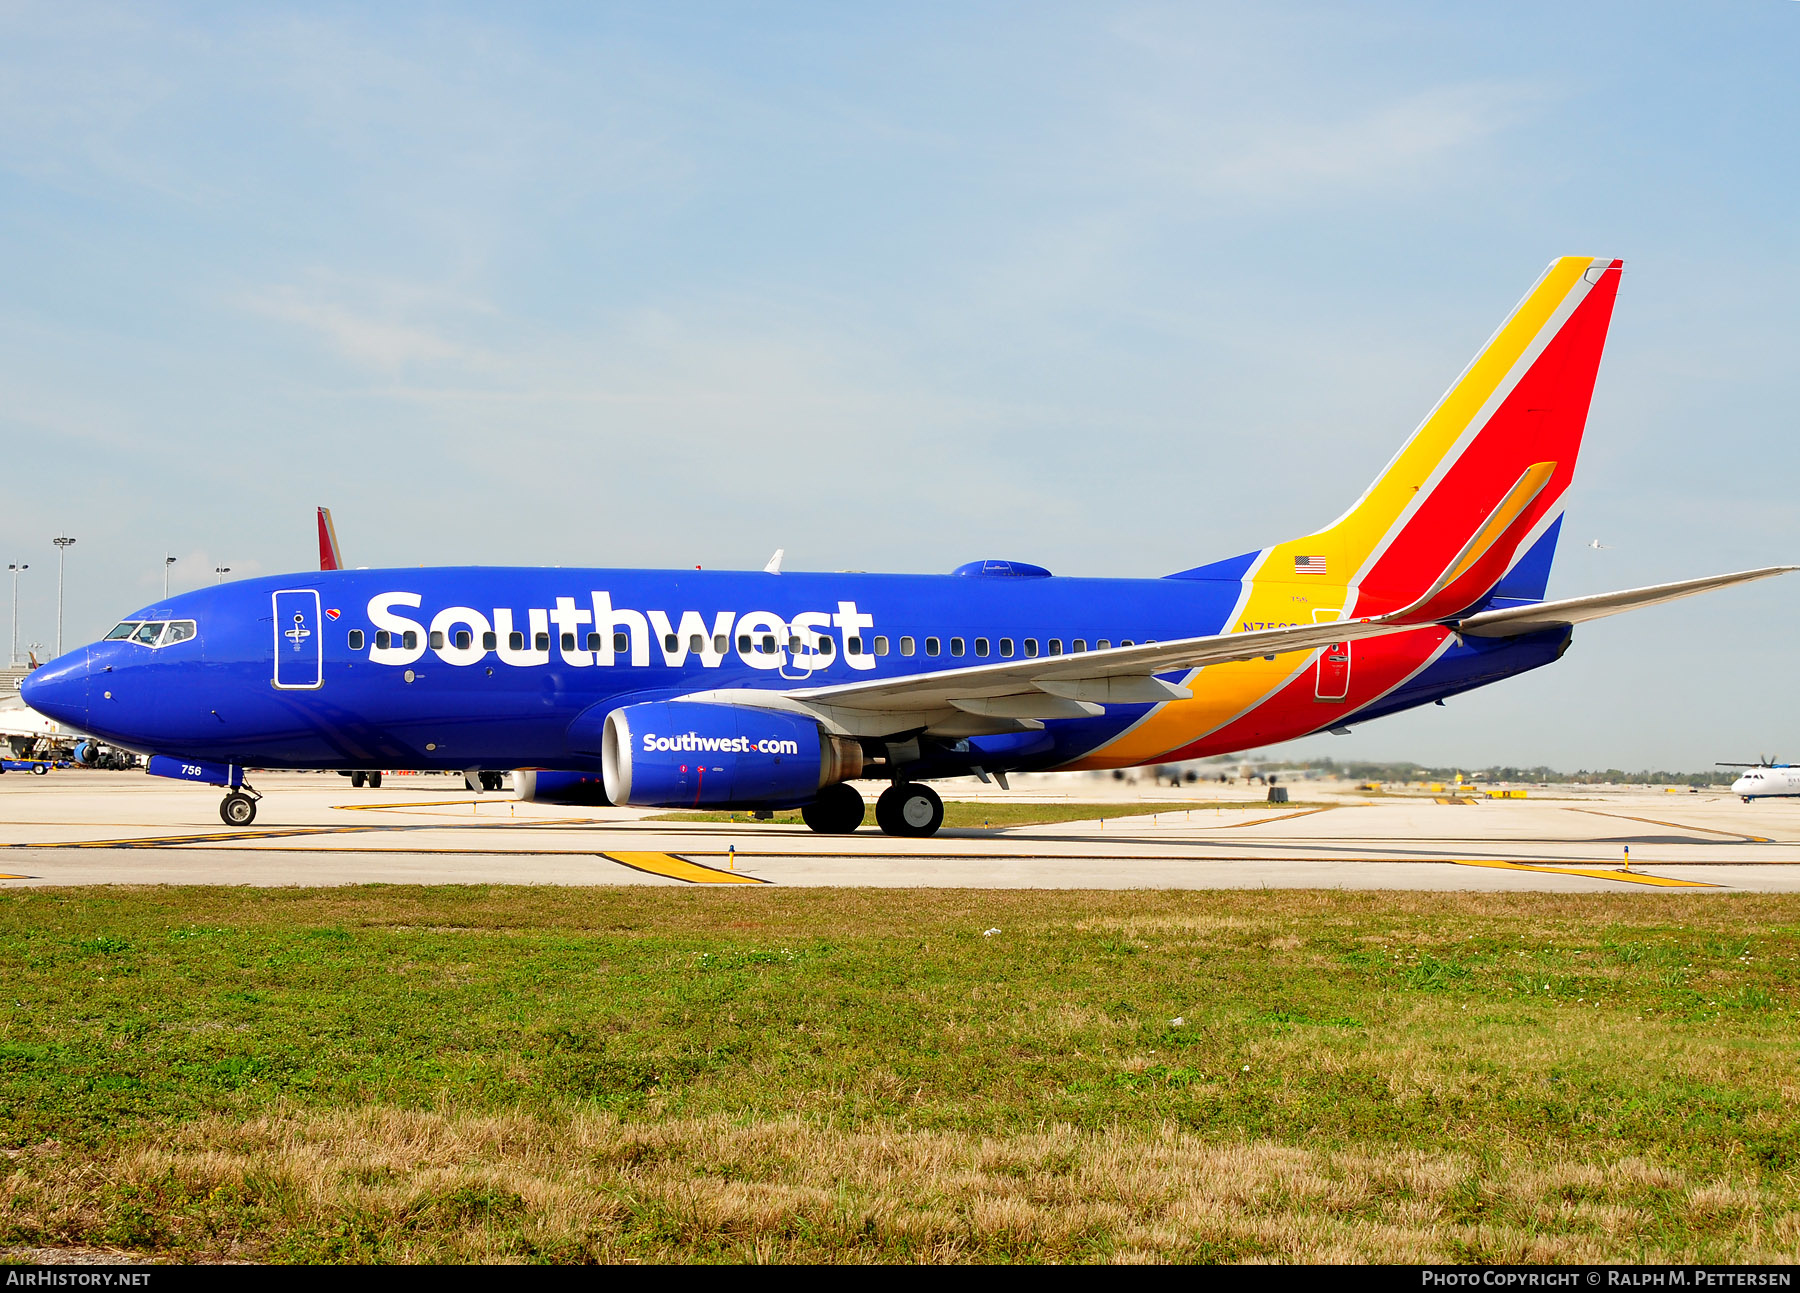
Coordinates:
[1309,565]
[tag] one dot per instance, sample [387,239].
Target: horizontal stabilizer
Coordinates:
[1517,620]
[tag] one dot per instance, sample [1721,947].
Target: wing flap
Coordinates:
[1516,620]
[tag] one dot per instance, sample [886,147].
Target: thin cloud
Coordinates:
[1412,140]
[384,344]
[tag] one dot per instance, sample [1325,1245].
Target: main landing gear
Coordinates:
[370,779]
[909,808]
[905,808]
[837,811]
[239,807]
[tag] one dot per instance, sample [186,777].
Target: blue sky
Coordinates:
[1116,289]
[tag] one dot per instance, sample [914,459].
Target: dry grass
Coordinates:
[384,1184]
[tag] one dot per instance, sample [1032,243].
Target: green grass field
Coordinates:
[581,1074]
[964,815]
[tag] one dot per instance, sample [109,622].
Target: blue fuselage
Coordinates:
[318,670]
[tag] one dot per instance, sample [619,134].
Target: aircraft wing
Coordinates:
[1025,692]
[1515,620]
[1045,687]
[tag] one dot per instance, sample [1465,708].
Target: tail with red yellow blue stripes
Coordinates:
[1472,501]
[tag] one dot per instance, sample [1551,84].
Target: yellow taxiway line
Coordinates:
[679,868]
[1595,873]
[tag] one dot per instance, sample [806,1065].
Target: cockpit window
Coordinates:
[153,633]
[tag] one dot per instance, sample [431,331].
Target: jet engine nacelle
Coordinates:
[547,786]
[87,753]
[685,754]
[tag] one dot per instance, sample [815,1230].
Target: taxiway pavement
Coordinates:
[79,827]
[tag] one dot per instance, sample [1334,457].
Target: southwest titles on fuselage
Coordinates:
[598,634]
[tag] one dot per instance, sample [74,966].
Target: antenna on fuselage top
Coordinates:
[774,566]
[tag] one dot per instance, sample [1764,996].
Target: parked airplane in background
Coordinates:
[766,690]
[1767,781]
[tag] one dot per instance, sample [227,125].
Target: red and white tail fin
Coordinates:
[329,556]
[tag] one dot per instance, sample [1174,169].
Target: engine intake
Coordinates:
[687,754]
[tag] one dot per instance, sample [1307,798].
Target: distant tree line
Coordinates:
[1539,775]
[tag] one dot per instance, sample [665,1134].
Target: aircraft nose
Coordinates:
[59,690]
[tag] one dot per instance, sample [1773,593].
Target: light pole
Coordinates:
[63,543]
[167,562]
[15,566]
[221,572]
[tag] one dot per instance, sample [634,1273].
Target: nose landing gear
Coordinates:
[239,807]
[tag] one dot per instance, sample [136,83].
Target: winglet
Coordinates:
[329,556]
[774,566]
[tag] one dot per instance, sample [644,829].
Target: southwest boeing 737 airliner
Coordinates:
[769,690]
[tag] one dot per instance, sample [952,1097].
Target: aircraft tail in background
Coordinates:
[330,558]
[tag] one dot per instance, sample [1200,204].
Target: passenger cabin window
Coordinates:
[881,645]
[621,643]
[1006,648]
[956,646]
[743,644]
[1078,645]
[696,643]
[568,641]
[463,639]
[853,646]
[147,634]
[931,646]
[515,641]
[1103,645]
[981,646]
[179,631]
[826,646]
[542,642]
[671,643]
[124,630]
[1031,647]
[356,639]
[383,640]
[410,640]
[768,644]
[1125,642]
[794,645]
[906,646]
[1055,647]
[490,640]
[437,639]
[720,643]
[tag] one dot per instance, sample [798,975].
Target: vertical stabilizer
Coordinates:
[1476,491]
[329,556]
